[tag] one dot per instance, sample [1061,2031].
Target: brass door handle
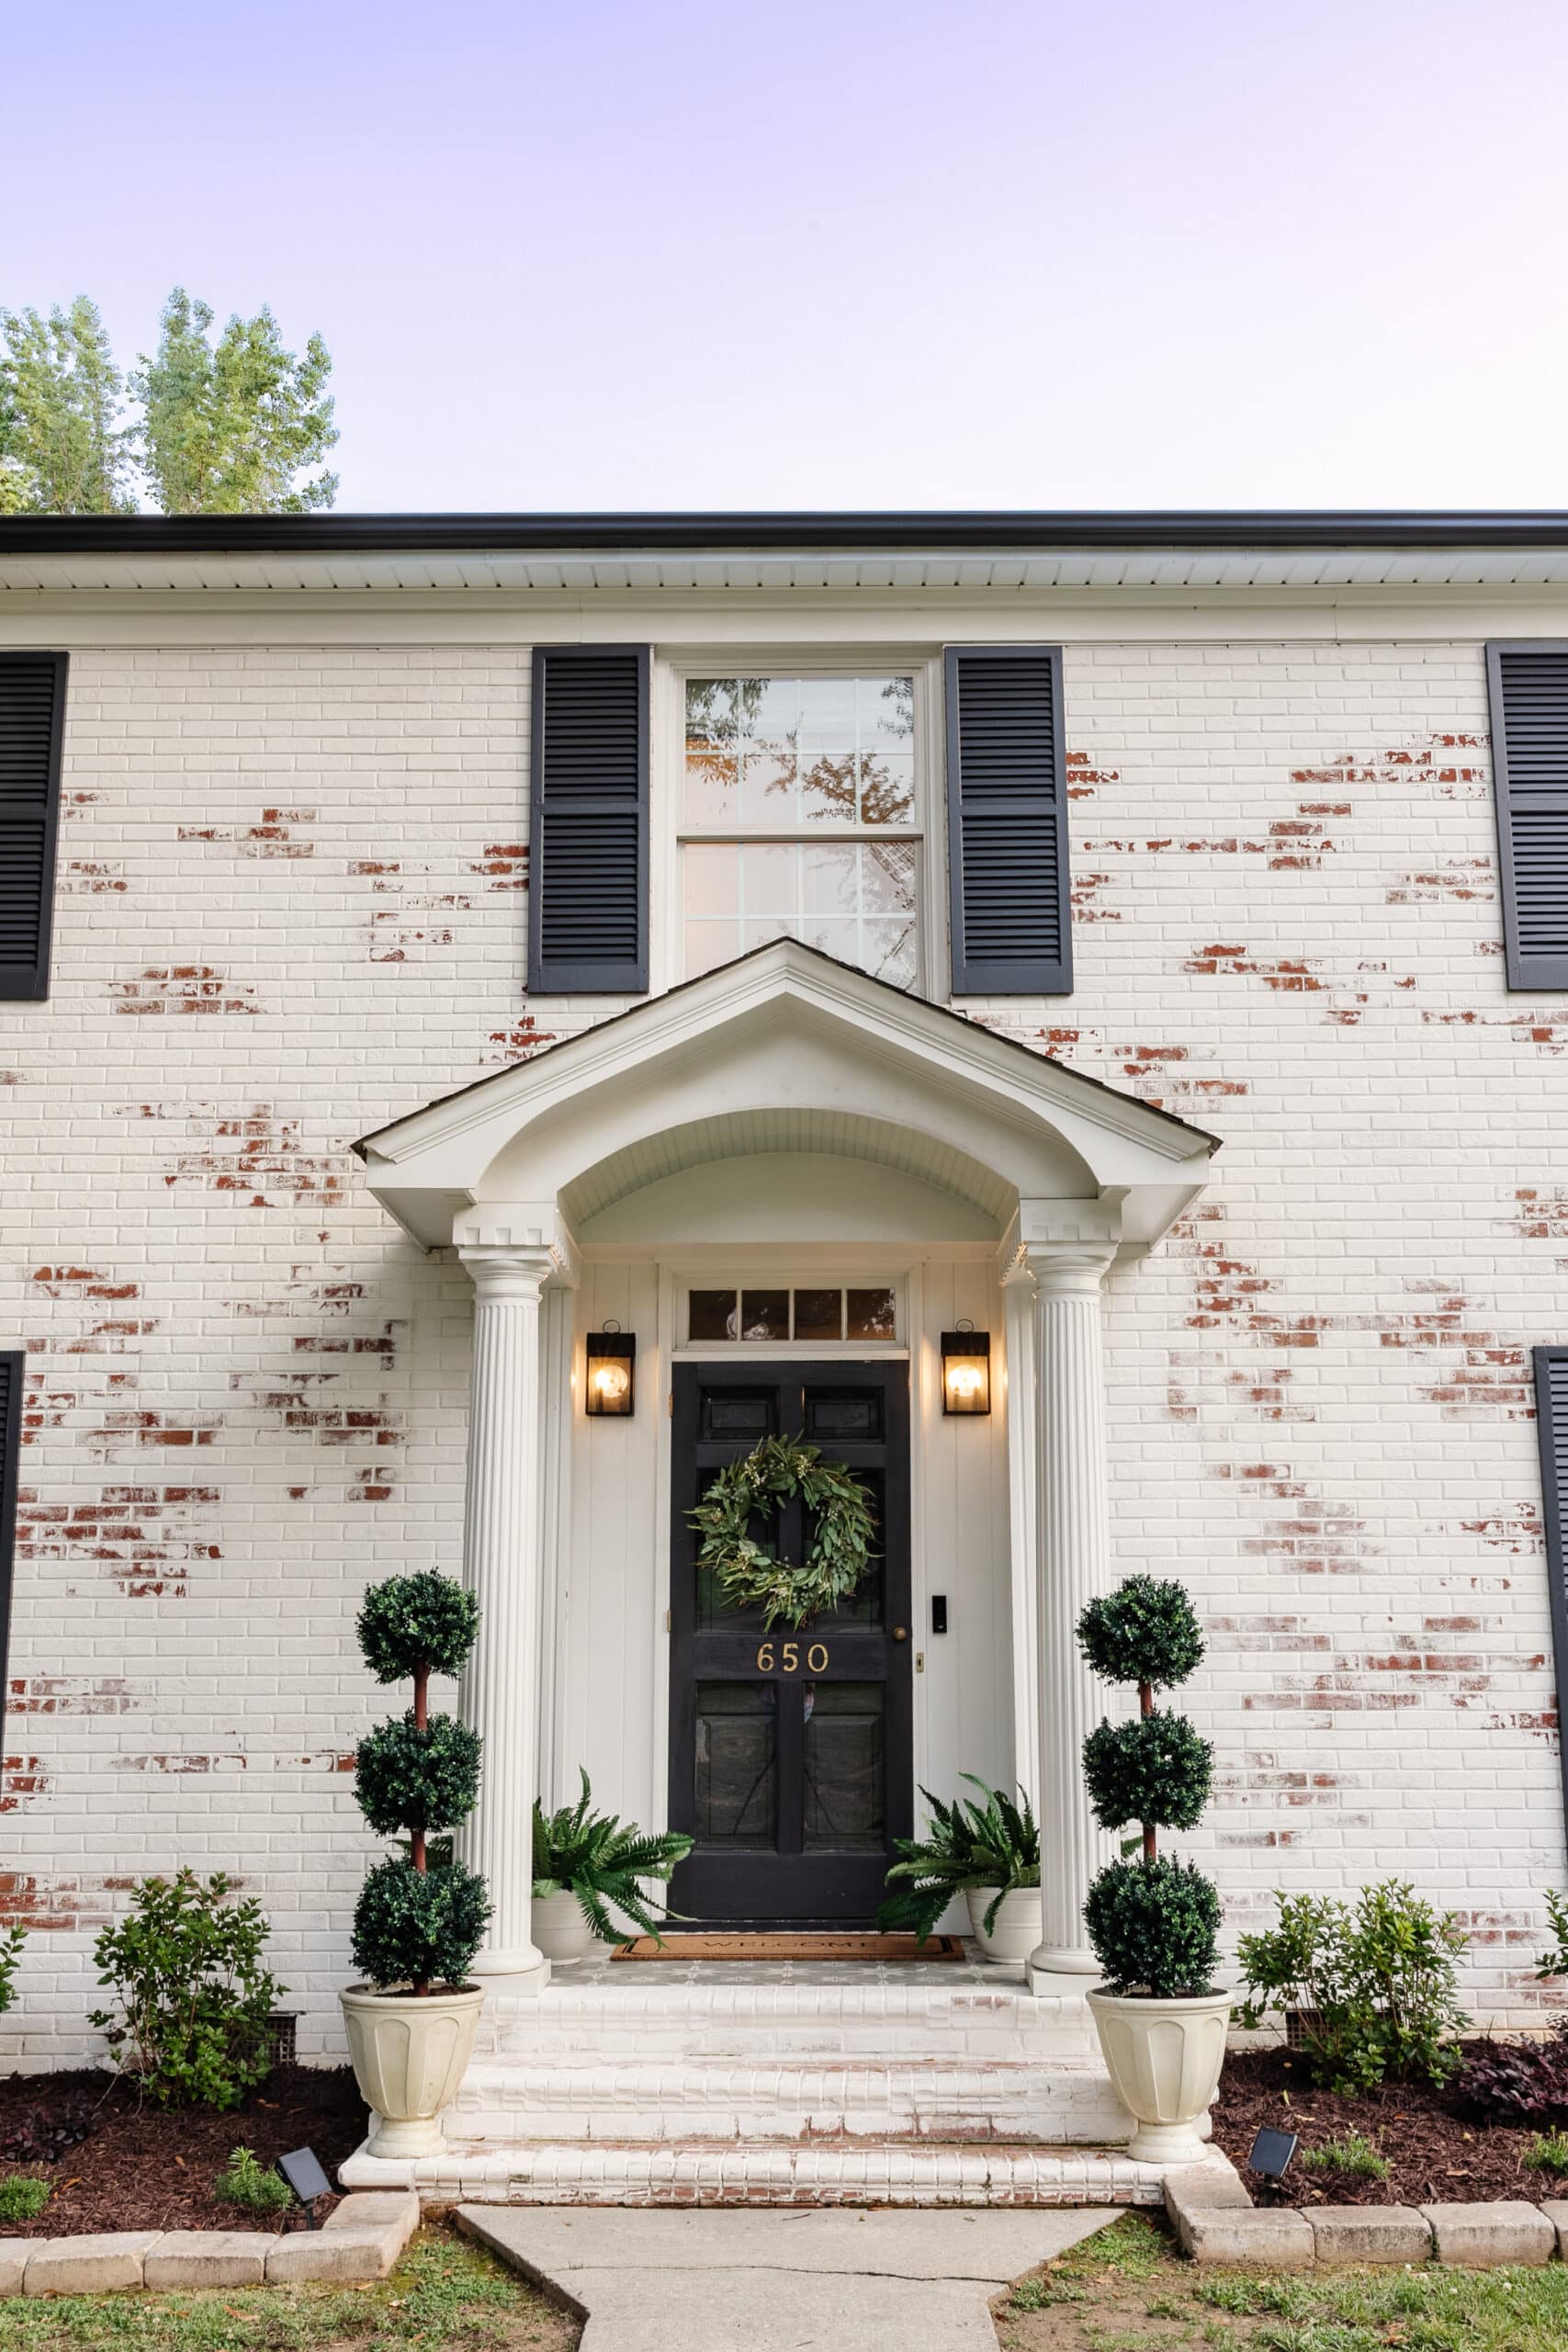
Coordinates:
[900,1633]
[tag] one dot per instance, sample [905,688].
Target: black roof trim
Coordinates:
[943,528]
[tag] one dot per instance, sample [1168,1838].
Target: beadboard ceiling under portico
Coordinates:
[783,1050]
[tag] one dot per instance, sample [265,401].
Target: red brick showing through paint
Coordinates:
[277,835]
[258,1153]
[23,1781]
[165,989]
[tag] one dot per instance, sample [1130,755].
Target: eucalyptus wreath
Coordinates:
[750,1576]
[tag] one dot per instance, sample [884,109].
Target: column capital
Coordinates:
[526,1237]
[504,1275]
[1062,1246]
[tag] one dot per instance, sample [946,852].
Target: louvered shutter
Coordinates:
[1551,1430]
[11,1362]
[1007,821]
[32,722]
[1528,689]
[588,842]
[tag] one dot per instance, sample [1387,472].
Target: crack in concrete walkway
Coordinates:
[792,2278]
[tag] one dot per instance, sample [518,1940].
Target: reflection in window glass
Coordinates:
[819,1313]
[844,1778]
[833,755]
[711,1315]
[736,1788]
[764,1315]
[873,1314]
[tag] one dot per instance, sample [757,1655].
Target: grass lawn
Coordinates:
[444,2292]
[1128,2290]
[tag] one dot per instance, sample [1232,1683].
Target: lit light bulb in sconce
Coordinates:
[966,1370]
[612,1381]
[611,1391]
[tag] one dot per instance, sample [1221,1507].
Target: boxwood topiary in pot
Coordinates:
[1154,1923]
[420,1915]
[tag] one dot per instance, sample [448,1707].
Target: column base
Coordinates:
[1060,1969]
[506,1973]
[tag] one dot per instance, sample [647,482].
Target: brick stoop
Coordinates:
[638,2090]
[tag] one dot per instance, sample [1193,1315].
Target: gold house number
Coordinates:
[789,1659]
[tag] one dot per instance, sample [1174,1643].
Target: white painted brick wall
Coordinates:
[290,909]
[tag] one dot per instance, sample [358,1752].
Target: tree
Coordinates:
[63,449]
[231,429]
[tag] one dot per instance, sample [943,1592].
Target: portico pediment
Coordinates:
[783,1050]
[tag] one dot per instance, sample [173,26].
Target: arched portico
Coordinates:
[787,1113]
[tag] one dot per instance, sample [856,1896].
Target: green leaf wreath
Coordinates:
[750,1576]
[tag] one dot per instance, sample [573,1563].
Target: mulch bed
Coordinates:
[1436,2153]
[146,2167]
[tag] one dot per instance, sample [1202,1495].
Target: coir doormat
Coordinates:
[730,1945]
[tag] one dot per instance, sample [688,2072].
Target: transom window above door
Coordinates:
[799,819]
[817,1312]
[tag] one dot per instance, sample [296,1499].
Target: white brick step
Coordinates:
[697,2173]
[787,2099]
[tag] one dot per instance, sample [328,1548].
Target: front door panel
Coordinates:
[790,1753]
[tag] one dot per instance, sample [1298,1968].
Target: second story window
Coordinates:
[800,819]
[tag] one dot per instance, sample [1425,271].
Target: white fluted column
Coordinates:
[1074,1536]
[504,1518]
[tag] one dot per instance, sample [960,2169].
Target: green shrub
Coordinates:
[22,2197]
[191,1995]
[1375,1987]
[11,1943]
[420,1915]
[1548,1964]
[1548,2152]
[1146,1631]
[426,1623]
[1155,1927]
[248,2182]
[994,1844]
[409,1778]
[1351,2153]
[1153,1769]
[602,1859]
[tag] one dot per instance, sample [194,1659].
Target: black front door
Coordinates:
[791,1761]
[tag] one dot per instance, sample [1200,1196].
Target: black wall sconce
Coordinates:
[966,1370]
[612,1373]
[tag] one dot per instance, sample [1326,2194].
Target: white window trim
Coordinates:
[668,717]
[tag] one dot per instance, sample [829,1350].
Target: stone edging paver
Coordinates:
[359,2241]
[1217,2222]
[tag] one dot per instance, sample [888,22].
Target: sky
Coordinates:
[838,253]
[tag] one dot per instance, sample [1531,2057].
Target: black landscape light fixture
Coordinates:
[301,2169]
[612,1372]
[1271,2152]
[966,1370]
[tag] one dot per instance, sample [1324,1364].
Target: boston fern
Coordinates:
[994,1844]
[602,1859]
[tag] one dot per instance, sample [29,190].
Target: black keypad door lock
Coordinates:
[939,1612]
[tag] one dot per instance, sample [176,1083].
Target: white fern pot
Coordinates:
[559,1928]
[409,2057]
[1019,1923]
[1164,2059]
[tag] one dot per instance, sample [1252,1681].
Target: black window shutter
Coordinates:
[1007,821]
[1527,687]
[11,1362]
[1552,1429]
[588,824]
[32,727]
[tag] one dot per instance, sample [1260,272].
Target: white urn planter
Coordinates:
[1164,2058]
[409,2057]
[559,1926]
[1020,1922]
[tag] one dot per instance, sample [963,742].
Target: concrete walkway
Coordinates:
[791,2279]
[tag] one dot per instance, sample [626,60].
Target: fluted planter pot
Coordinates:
[409,2057]
[1020,1922]
[559,1927]
[1164,2059]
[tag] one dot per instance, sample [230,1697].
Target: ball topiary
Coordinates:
[1153,1924]
[1155,1769]
[418,1922]
[408,1778]
[1155,1927]
[1146,1631]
